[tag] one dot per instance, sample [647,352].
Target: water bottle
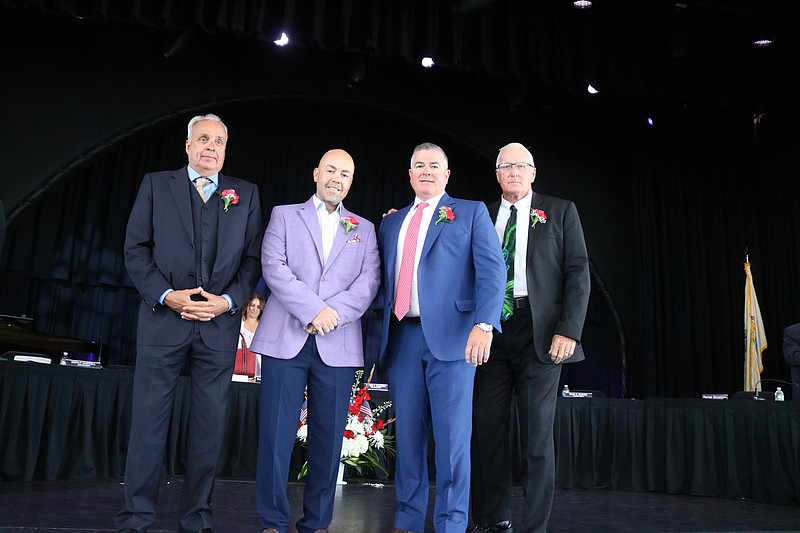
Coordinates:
[565,392]
[779,395]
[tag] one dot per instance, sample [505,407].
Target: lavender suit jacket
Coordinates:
[301,285]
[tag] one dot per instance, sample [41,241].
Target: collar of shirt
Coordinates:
[523,205]
[432,202]
[193,175]
[320,205]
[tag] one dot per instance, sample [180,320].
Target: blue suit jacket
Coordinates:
[301,285]
[159,255]
[460,278]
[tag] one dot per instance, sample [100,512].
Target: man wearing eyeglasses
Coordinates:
[547,294]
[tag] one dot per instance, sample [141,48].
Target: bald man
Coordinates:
[321,264]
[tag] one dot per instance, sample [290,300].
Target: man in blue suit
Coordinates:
[191,249]
[443,278]
[321,264]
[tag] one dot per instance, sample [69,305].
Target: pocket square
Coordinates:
[355,238]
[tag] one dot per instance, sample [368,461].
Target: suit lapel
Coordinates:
[339,240]
[393,225]
[309,216]
[435,229]
[537,202]
[178,188]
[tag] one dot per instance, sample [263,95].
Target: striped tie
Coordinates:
[402,300]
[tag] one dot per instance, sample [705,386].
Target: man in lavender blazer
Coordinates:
[321,264]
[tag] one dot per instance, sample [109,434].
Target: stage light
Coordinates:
[591,90]
[283,41]
[650,121]
[763,43]
[582,4]
[427,62]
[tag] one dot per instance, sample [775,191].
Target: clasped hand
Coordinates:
[325,322]
[181,302]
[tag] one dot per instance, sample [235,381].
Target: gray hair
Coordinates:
[198,118]
[427,146]
[515,145]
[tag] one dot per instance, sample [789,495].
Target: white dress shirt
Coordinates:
[329,223]
[427,215]
[521,249]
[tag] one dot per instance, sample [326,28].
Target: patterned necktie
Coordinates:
[402,299]
[509,248]
[199,183]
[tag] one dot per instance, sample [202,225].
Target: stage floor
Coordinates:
[89,506]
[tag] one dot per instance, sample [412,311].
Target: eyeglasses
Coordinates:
[519,166]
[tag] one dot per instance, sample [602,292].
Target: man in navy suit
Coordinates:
[443,279]
[543,318]
[321,264]
[191,249]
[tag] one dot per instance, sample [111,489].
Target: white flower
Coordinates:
[377,439]
[302,433]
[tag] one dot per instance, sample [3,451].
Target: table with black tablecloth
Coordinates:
[62,422]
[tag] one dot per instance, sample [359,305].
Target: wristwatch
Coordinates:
[485,327]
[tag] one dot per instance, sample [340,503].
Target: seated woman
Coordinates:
[250,317]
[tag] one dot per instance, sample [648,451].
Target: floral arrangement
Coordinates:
[229,198]
[445,215]
[365,443]
[349,223]
[537,215]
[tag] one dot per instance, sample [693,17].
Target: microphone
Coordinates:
[757,397]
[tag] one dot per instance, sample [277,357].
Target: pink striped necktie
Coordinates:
[402,300]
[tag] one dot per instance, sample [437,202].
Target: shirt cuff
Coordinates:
[230,302]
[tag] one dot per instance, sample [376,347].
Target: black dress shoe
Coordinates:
[504,526]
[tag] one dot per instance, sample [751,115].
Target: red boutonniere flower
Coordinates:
[537,215]
[445,215]
[229,198]
[349,223]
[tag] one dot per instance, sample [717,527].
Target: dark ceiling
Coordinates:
[697,53]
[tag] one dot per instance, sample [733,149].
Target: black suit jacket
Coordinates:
[791,353]
[160,255]
[557,274]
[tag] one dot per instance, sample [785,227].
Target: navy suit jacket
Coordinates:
[557,274]
[160,255]
[461,276]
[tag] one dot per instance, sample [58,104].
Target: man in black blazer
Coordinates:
[547,297]
[192,251]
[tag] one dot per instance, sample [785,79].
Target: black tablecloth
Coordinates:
[59,422]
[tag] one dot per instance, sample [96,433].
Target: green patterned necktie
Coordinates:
[509,247]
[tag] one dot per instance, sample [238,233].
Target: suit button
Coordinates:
[191,246]
[322,278]
[191,275]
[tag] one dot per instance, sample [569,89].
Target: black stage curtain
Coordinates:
[59,422]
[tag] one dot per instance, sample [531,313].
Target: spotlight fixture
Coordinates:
[591,90]
[427,62]
[650,121]
[763,43]
[283,41]
[582,4]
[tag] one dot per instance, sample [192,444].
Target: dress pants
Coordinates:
[283,382]
[514,366]
[427,392]
[155,379]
